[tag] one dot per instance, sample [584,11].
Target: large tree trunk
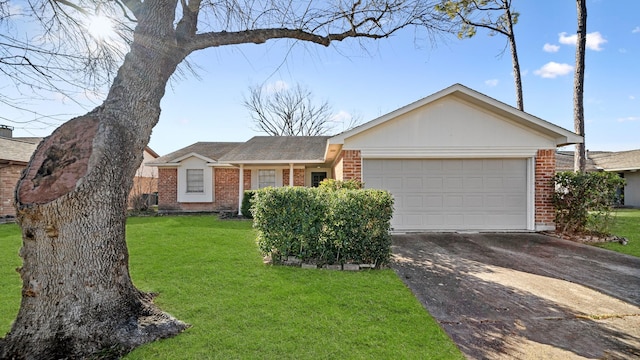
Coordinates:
[580,155]
[77,296]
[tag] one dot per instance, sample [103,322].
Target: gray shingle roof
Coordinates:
[278,148]
[564,162]
[211,150]
[17,150]
[601,160]
[621,160]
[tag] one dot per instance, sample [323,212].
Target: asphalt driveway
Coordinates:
[525,296]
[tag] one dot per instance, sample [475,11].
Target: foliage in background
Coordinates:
[324,226]
[497,16]
[209,273]
[584,201]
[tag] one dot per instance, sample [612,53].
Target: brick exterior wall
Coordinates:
[298,177]
[544,188]
[351,165]
[225,190]
[9,176]
[168,189]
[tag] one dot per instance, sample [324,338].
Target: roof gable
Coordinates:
[207,151]
[482,103]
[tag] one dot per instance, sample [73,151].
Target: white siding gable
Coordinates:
[448,127]
[195,163]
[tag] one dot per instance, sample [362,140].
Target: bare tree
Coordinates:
[65,57]
[289,112]
[580,156]
[482,14]
[77,295]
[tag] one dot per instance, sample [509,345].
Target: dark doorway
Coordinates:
[317,177]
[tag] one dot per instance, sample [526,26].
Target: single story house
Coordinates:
[15,153]
[624,163]
[454,160]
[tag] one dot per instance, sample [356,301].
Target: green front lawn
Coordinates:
[626,224]
[209,273]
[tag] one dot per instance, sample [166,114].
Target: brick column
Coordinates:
[544,188]
[352,165]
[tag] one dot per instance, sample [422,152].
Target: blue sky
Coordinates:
[397,71]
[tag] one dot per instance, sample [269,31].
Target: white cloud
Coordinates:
[631,97]
[636,30]
[491,82]
[594,40]
[341,117]
[550,48]
[629,118]
[551,70]
[275,86]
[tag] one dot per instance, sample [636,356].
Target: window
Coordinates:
[266,178]
[195,180]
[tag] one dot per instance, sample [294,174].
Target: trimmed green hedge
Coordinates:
[324,226]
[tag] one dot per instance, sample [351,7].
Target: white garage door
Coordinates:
[453,194]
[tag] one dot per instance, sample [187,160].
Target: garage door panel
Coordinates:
[453,201]
[413,202]
[449,165]
[474,182]
[453,183]
[475,201]
[432,201]
[393,183]
[433,183]
[414,183]
[453,194]
[495,201]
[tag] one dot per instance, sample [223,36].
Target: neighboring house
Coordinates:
[455,160]
[15,153]
[144,192]
[624,163]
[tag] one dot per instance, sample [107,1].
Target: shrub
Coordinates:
[245,209]
[325,227]
[331,184]
[357,227]
[289,221]
[584,201]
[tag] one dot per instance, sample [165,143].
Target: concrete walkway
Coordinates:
[525,296]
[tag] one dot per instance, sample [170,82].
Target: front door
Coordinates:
[317,177]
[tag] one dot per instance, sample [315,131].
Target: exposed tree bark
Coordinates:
[78,299]
[580,154]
